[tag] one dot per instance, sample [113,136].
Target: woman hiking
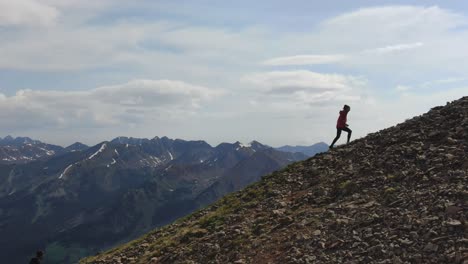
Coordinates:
[341,125]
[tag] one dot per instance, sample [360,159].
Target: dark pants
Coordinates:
[338,134]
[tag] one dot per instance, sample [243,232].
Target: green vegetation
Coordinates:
[216,218]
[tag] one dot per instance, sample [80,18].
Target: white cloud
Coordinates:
[395,48]
[154,94]
[338,58]
[296,92]
[304,60]
[62,48]
[301,80]
[133,102]
[382,24]
[26,13]
[130,44]
[408,41]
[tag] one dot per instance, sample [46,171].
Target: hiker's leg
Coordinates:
[349,133]
[338,134]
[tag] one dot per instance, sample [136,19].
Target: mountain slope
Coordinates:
[246,172]
[396,196]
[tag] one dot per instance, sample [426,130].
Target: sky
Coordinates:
[273,71]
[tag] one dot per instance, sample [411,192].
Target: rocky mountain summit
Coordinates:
[396,196]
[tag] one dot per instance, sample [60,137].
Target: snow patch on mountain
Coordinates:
[48,152]
[103,147]
[65,171]
[242,145]
[156,160]
[112,163]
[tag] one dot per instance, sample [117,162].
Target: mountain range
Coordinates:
[395,196]
[22,150]
[79,200]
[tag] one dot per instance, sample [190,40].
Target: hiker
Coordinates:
[38,258]
[341,125]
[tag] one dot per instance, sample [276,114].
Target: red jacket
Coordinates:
[342,120]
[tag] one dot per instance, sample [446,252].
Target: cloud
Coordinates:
[301,80]
[337,58]
[406,40]
[129,44]
[339,40]
[151,94]
[27,13]
[304,60]
[64,48]
[410,40]
[395,48]
[293,91]
[132,102]
[385,23]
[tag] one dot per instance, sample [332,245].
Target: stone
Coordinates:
[453,222]
[279,212]
[317,232]
[430,247]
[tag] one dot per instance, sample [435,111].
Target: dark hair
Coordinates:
[345,106]
[39,253]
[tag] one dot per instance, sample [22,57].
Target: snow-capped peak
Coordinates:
[242,145]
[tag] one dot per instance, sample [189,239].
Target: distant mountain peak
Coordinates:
[130,140]
[18,140]
[8,138]
[24,149]
[77,146]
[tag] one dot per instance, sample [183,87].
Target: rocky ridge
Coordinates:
[396,196]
